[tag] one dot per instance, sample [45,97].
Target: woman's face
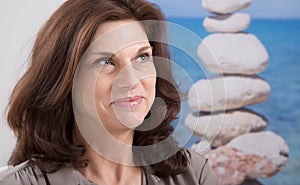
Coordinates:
[125,85]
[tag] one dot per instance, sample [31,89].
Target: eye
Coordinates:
[105,65]
[144,57]
[104,61]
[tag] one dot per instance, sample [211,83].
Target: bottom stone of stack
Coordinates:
[249,156]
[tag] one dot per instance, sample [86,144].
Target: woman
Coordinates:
[110,54]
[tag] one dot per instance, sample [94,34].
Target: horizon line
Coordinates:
[252,18]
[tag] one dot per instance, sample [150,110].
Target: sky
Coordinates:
[264,9]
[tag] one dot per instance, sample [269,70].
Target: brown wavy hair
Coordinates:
[40,108]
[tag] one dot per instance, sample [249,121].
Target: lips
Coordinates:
[129,101]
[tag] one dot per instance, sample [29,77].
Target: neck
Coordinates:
[101,170]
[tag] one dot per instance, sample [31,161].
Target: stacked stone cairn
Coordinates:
[233,137]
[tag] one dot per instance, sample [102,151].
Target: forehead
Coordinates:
[114,35]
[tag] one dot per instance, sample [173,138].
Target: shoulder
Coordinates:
[28,173]
[200,168]
[197,161]
[197,173]
[17,174]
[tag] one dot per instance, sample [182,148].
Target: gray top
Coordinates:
[27,173]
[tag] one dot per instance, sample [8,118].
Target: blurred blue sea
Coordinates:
[282,40]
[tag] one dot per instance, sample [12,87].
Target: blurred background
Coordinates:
[275,22]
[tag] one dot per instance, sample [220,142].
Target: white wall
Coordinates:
[19,23]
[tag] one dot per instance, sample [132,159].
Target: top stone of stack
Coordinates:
[225,6]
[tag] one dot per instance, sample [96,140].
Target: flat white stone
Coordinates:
[252,155]
[231,23]
[229,53]
[225,6]
[231,124]
[228,92]
[264,144]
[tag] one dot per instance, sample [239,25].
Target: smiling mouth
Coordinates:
[130,102]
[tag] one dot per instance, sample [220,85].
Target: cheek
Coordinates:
[103,90]
[149,86]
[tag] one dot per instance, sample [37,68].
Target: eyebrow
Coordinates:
[112,55]
[144,48]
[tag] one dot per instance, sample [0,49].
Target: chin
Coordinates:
[132,120]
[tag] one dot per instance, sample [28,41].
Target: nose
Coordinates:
[128,78]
